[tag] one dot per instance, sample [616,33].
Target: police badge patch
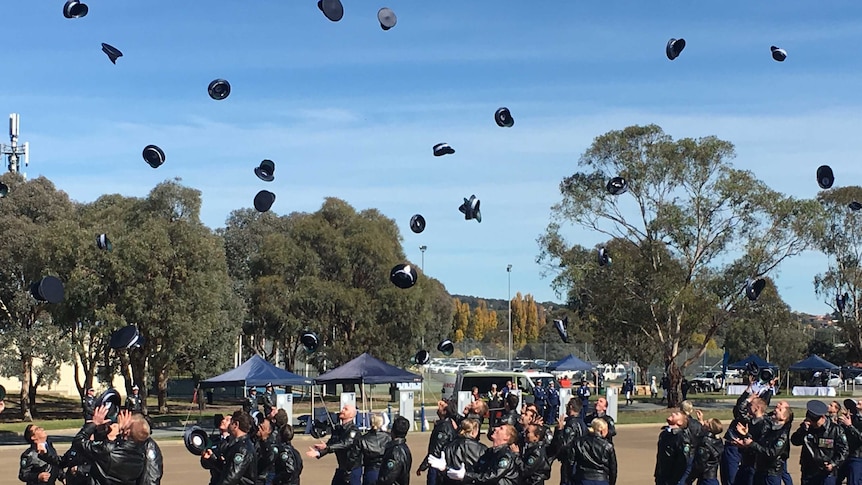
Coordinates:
[238,458]
[151,454]
[685,449]
[779,443]
[504,462]
[24,462]
[439,436]
[285,456]
[531,460]
[390,464]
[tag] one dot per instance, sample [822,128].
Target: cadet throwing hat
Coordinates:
[674,48]
[854,206]
[841,301]
[154,156]
[4,190]
[196,440]
[825,177]
[470,209]
[417,223]
[403,276]
[441,149]
[111,399]
[562,327]
[387,18]
[754,287]
[127,337]
[219,89]
[617,186]
[778,53]
[265,171]
[263,200]
[447,347]
[504,119]
[112,52]
[332,9]
[103,243]
[815,410]
[48,289]
[604,257]
[850,405]
[75,9]
[309,341]
[422,357]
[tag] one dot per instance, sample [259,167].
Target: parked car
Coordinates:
[708,381]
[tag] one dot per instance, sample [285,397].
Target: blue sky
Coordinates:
[348,110]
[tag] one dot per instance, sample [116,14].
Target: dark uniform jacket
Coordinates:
[563,443]
[397,461]
[442,434]
[372,445]
[89,405]
[134,404]
[537,466]
[154,466]
[112,462]
[854,436]
[78,469]
[288,465]
[595,459]
[33,463]
[268,402]
[220,444]
[707,457]
[612,428]
[827,444]
[250,403]
[756,428]
[497,466]
[694,433]
[771,449]
[265,450]
[462,452]
[672,456]
[238,465]
[343,444]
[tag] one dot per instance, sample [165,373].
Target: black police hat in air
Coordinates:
[417,223]
[309,341]
[265,171]
[404,276]
[387,18]
[850,405]
[604,257]
[504,119]
[754,287]
[2,393]
[111,399]
[446,347]
[674,48]
[49,289]
[75,9]
[825,177]
[263,200]
[127,337]
[778,53]
[841,301]
[617,186]
[422,357]
[854,206]
[154,156]
[219,89]
[441,149]
[196,440]
[103,243]
[562,327]
[4,190]
[332,9]
[470,209]
[112,52]
[816,409]
[765,374]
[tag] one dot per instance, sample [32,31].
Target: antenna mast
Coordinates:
[13,151]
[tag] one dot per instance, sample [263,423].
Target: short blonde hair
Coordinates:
[139,428]
[376,421]
[714,426]
[597,426]
[468,426]
[687,407]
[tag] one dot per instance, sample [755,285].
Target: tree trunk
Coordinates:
[26,368]
[163,389]
[674,394]
[138,364]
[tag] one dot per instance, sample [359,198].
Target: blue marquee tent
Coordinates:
[256,371]
[813,362]
[366,369]
[761,364]
[571,363]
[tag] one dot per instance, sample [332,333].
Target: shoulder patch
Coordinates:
[151,454]
[686,448]
[390,464]
[285,456]
[238,458]
[440,435]
[503,463]
[531,460]
[23,462]
[353,433]
[779,443]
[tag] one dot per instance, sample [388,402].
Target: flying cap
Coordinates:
[196,440]
[674,48]
[103,243]
[854,206]
[265,171]
[778,53]
[110,398]
[49,289]
[127,337]
[604,257]
[136,388]
[503,117]
[2,393]
[447,347]
[816,409]
[754,287]
[403,276]
[4,190]
[850,405]
[417,223]
[441,149]
[422,357]
[765,374]
[470,209]
[75,9]
[309,341]
[332,9]
[617,186]
[841,301]
[825,177]
[154,156]
[387,18]
[219,89]
[562,327]
[112,52]
[263,200]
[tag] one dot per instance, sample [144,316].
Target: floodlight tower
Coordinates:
[14,152]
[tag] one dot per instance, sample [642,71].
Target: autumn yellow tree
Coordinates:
[531,323]
[481,321]
[460,321]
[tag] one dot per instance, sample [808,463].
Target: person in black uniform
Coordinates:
[269,399]
[707,455]
[569,429]
[154,464]
[753,425]
[442,434]
[770,449]
[112,460]
[600,411]
[540,397]
[534,459]
[694,432]
[250,405]
[463,451]
[673,451]
[595,457]
[343,444]
[220,441]
[824,445]
[239,465]
[372,445]
[552,411]
[288,461]
[40,462]
[497,466]
[134,403]
[397,459]
[851,423]
[265,449]
[88,403]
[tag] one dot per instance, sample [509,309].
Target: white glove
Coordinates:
[437,463]
[456,473]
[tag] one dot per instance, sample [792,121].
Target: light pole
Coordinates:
[423,248]
[509,272]
[424,426]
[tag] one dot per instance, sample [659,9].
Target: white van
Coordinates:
[466,381]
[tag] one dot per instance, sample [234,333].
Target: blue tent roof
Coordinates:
[366,369]
[813,362]
[256,371]
[761,364]
[571,363]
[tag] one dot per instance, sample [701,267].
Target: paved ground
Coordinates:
[635,445]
